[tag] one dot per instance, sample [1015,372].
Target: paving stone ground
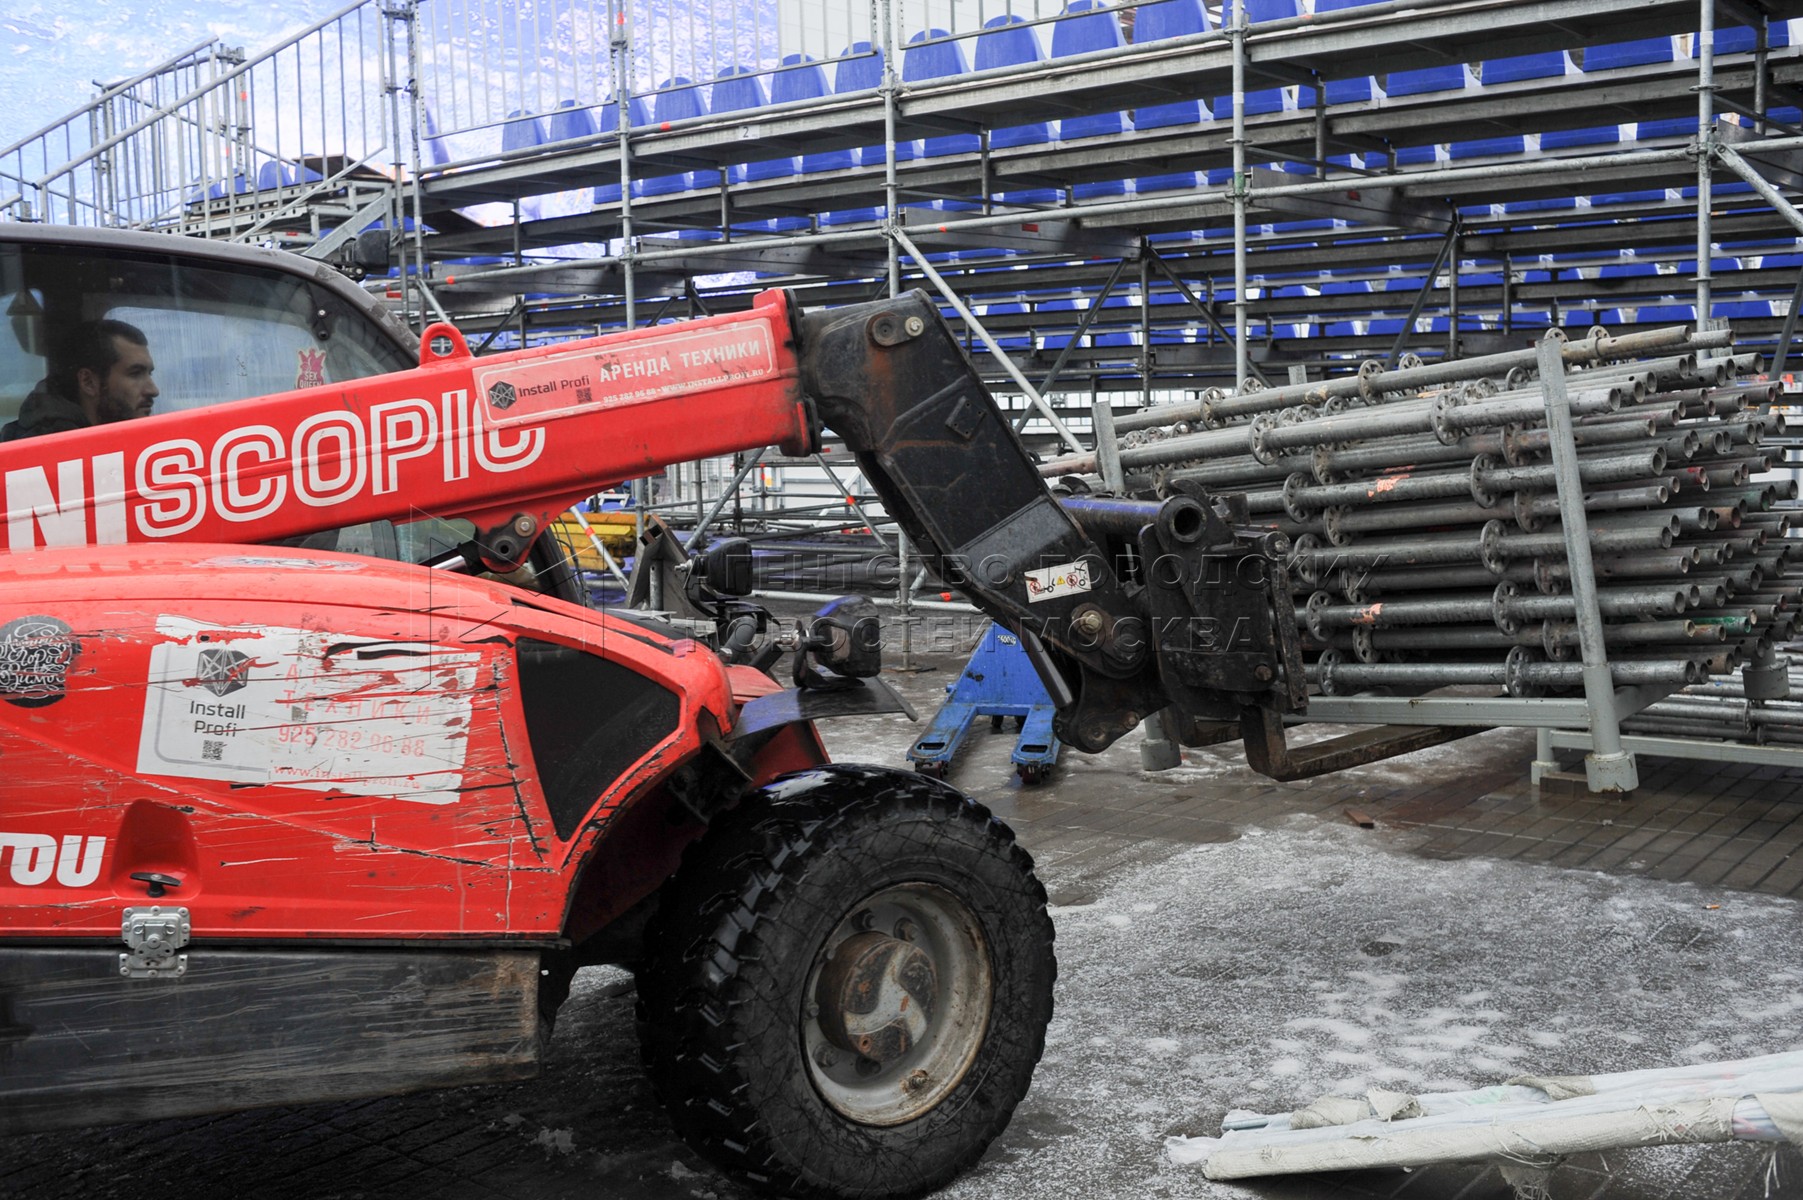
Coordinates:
[589,1126]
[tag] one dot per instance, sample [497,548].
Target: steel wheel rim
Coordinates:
[868,986]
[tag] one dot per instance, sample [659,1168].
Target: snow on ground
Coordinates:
[1262,972]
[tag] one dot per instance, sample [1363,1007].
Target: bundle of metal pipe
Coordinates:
[1723,708]
[1429,542]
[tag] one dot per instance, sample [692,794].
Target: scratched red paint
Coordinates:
[1385,484]
[291,859]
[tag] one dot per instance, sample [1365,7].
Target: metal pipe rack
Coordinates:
[1204,309]
[1694,581]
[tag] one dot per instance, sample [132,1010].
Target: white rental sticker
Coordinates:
[301,708]
[1052,582]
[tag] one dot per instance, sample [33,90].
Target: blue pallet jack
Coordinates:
[997,682]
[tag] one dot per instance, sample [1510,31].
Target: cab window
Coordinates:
[217,332]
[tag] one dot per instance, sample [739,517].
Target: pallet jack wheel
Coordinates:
[755,1017]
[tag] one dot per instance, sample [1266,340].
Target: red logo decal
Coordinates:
[312,371]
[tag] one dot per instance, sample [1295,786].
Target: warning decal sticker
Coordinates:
[1052,582]
[305,709]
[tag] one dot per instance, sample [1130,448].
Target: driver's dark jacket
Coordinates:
[44,412]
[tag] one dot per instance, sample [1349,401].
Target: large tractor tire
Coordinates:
[847,986]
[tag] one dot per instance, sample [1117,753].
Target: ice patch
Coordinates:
[1251,958]
[556,1141]
[1345,1031]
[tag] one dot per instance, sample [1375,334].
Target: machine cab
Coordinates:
[220,323]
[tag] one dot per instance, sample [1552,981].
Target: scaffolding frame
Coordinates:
[933,208]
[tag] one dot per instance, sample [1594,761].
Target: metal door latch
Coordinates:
[152,937]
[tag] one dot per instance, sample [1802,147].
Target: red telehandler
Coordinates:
[317,781]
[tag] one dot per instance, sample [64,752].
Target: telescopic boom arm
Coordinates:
[1127,608]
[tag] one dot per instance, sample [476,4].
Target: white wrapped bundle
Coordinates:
[1528,1118]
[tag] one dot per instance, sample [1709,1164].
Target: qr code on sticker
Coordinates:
[212,751]
[585,395]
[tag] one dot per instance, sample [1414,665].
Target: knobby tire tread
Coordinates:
[717,978]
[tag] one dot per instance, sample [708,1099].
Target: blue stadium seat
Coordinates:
[1674,127]
[860,69]
[678,99]
[1007,41]
[1550,204]
[1649,196]
[272,176]
[737,89]
[1741,39]
[1085,27]
[1265,100]
[1634,54]
[1721,187]
[1744,310]
[803,79]
[569,121]
[1595,135]
[931,54]
[1717,266]
[1169,19]
[521,132]
[436,152]
[1156,22]
[609,193]
[1345,91]
[1345,287]
[1609,57]
[1449,77]
[1637,53]
[1549,65]
[1298,226]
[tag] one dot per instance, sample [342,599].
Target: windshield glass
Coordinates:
[216,332]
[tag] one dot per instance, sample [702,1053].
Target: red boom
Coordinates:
[489,439]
